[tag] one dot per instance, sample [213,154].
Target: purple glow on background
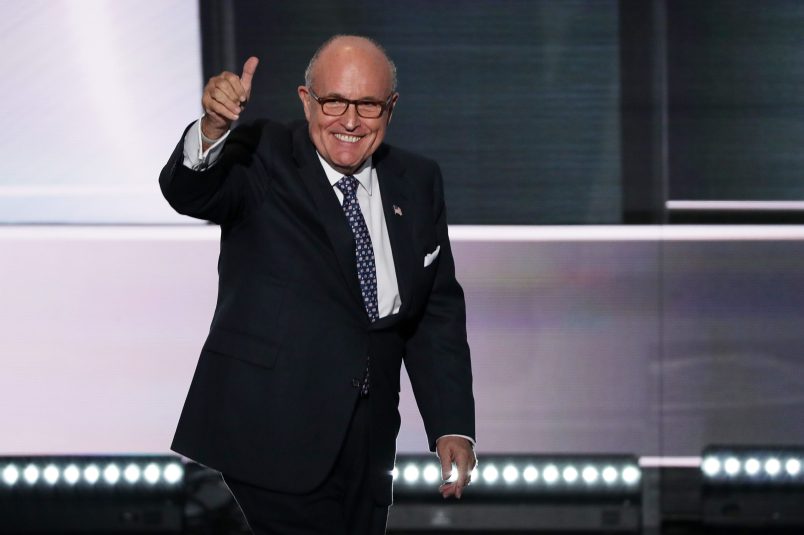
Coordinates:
[571,342]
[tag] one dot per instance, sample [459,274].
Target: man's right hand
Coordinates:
[225,97]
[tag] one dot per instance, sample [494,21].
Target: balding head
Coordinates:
[351,44]
[348,97]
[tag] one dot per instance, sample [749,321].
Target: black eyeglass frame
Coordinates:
[326,100]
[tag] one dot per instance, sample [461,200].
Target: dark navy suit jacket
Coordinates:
[273,391]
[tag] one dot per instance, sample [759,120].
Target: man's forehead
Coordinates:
[353,82]
[350,54]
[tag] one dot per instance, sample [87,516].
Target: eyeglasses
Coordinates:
[336,106]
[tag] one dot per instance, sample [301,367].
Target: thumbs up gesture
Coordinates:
[225,97]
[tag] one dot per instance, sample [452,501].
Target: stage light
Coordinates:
[550,474]
[792,467]
[111,474]
[732,466]
[518,474]
[51,474]
[490,474]
[752,466]
[132,473]
[530,474]
[411,473]
[70,471]
[91,474]
[759,488]
[773,467]
[30,474]
[570,474]
[510,473]
[72,474]
[173,473]
[610,475]
[151,473]
[431,473]
[584,492]
[10,475]
[631,475]
[711,466]
[132,499]
[590,475]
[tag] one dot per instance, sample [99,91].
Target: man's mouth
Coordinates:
[347,138]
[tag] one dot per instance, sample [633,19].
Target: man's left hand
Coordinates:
[457,450]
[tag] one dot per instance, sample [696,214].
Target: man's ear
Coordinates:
[304,96]
[391,107]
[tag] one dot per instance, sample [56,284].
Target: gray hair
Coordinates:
[308,72]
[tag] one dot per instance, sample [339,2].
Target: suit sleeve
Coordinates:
[437,356]
[224,192]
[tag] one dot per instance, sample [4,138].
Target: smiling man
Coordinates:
[335,266]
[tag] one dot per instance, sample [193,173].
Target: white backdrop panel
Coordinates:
[95,94]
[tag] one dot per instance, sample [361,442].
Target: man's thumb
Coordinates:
[446,468]
[249,67]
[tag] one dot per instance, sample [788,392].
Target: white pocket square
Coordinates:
[429,257]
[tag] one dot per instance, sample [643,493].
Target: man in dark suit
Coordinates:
[335,265]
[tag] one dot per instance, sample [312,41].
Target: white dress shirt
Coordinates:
[368,196]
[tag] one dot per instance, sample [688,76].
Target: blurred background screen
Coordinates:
[95,96]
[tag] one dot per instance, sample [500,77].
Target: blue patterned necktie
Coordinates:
[364,255]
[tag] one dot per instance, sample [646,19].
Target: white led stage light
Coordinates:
[510,473]
[91,474]
[11,475]
[529,474]
[72,474]
[411,473]
[738,465]
[732,466]
[431,473]
[116,487]
[490,474]
[51,474]
[173,473]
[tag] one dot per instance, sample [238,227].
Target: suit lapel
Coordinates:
[329,210]
[393,189]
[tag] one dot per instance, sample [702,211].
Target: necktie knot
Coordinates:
[347,185]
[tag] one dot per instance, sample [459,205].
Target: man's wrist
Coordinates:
[209,140]
[468,438]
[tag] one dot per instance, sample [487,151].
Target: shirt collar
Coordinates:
[363,174]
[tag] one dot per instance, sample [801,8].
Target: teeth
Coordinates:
[348,139]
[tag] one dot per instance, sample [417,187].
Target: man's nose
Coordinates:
[351,119]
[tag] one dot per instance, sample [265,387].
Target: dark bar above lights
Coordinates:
[735,212]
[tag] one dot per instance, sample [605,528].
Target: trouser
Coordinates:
[341,505]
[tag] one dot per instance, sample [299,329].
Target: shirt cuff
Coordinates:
[194,157]
[470,439]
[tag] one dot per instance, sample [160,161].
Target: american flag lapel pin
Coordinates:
[397,210]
